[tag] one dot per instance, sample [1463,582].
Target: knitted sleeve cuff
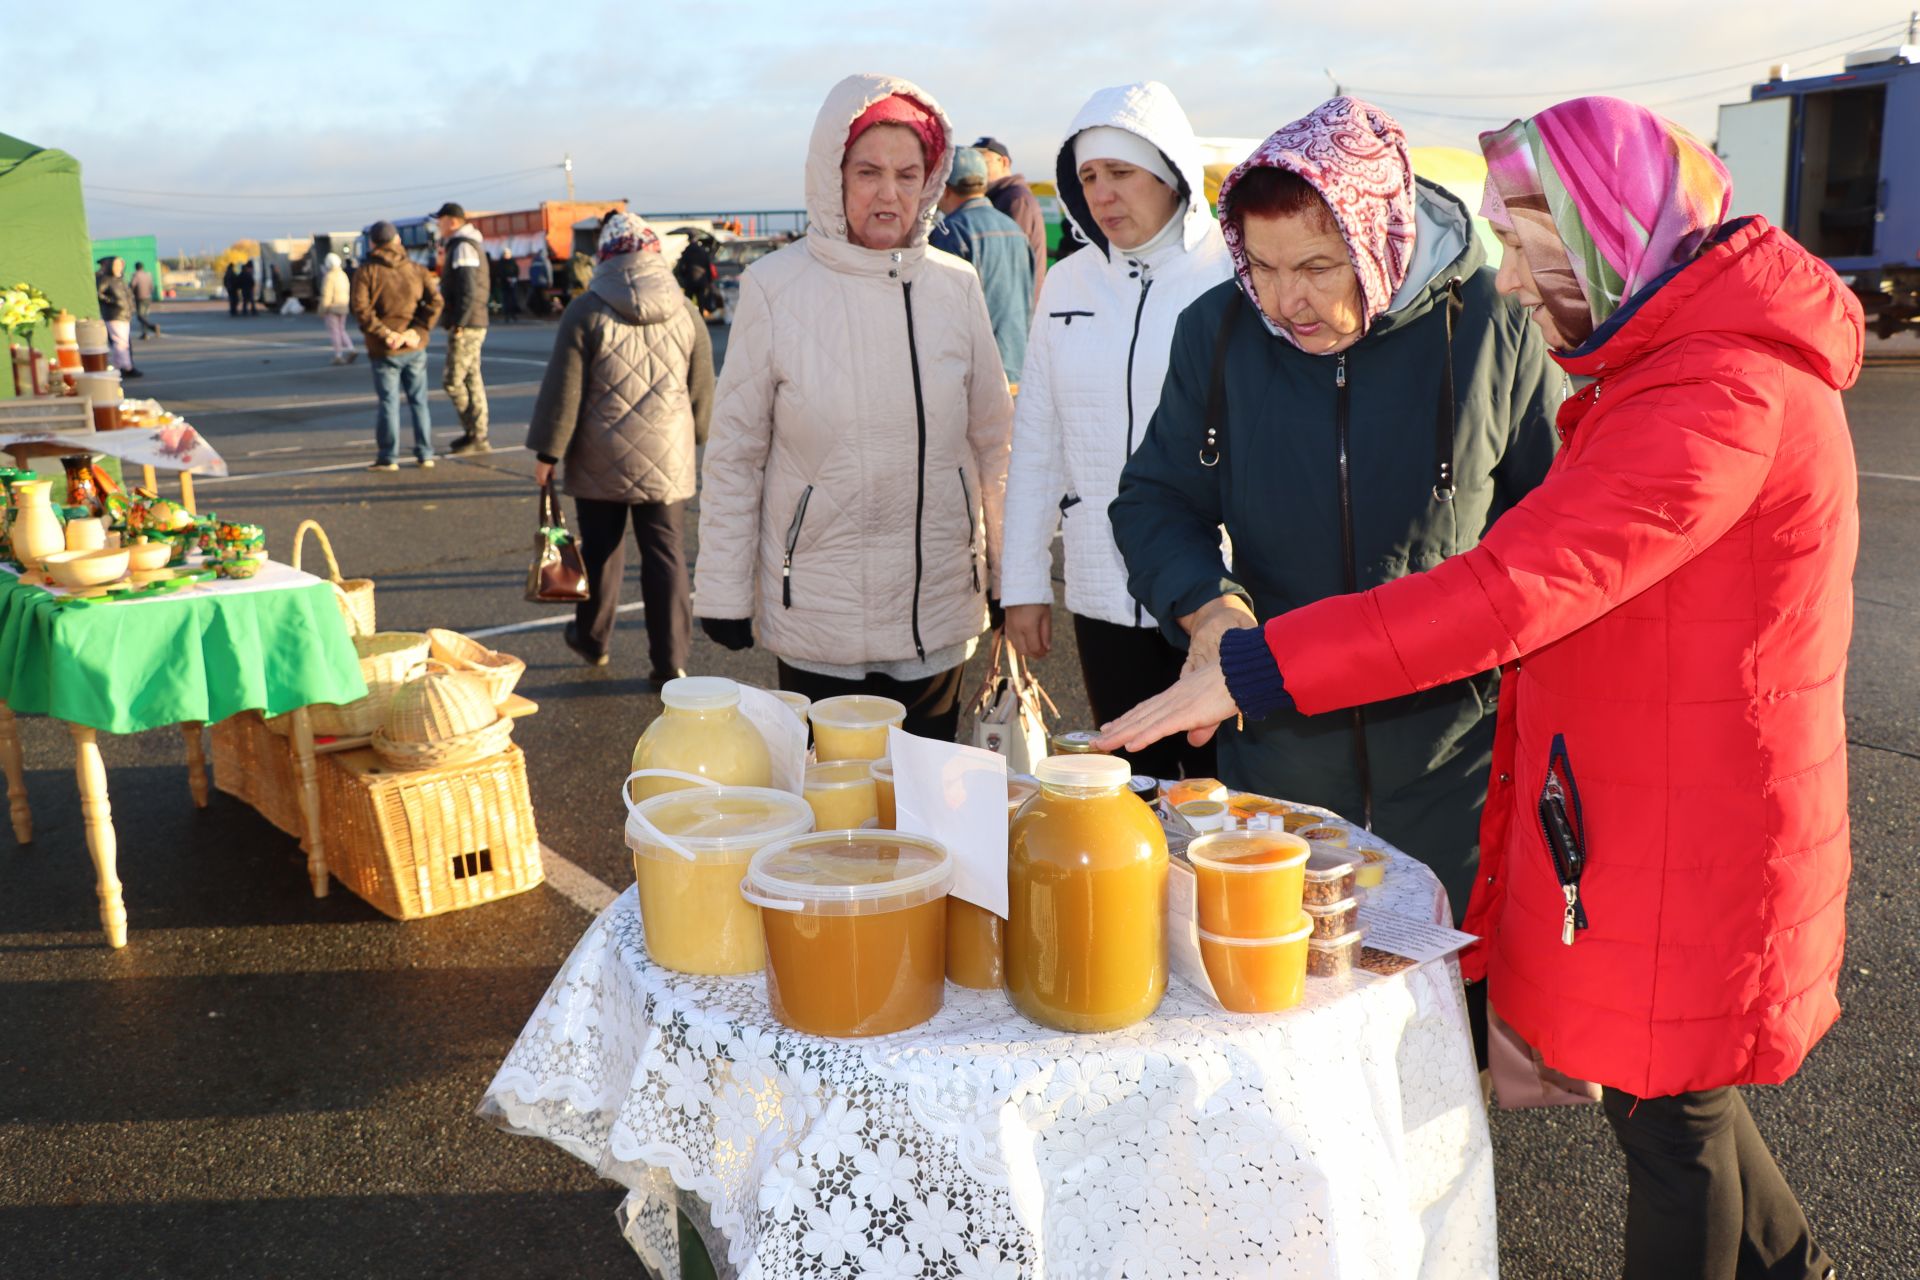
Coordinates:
[1253,677]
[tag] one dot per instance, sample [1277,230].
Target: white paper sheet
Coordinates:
[1183,932]
[1418,940]
[957,795]
[785,736]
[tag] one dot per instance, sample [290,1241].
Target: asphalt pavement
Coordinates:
[266,1084]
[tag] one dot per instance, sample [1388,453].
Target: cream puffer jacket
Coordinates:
[851,491]
[1096,356]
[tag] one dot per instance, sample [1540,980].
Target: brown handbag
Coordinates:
[557,575]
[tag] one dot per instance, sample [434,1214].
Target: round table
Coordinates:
[1344,1138]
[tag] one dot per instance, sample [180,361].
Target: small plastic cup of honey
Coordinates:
[854,726]
[842,794]
[1258,975]
[1247,884]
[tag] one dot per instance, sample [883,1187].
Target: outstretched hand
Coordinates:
[1196,706]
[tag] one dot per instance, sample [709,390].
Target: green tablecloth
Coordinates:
[122,668]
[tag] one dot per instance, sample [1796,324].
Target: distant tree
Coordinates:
[240,251]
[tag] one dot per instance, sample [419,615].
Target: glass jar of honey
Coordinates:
[701,732]
[1087,898]
[976,937]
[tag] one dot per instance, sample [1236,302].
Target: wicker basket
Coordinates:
[500,671]
[473,745]
[386,660]
[253,764]
[353,595]
[420,843]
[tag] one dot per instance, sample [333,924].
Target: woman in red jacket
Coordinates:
[1662,899]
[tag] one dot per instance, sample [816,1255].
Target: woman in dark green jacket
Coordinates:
[1357,405]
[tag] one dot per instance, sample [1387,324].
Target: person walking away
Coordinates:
[623,406]
[1008,192]
[850,495]
[231,283]
[247,284]
[335,296]
[395,303]
[1130,173]
[116,310]
[539,283]
[509,285]
[463,289]
[143,301]
[1663,905]
[972,229]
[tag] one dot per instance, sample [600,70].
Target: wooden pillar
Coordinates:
[186,492]
[196,762]
[16,776]
[309,780]
[98,817]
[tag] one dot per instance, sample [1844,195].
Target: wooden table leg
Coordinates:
[98,815]
[16,776]
[309,780]
[196,762]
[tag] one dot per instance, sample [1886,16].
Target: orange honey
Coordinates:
[1248,884]
[1264,975]
[976,946]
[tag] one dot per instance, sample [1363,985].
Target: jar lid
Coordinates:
[1248,851]
[1075,742]
[849,873]
[881,770]
[1085,773]
[1349,939]
[700,693]
[858,711]
[1300,932]
[718,820]
[834,775]
[1330,864]
[1332,908]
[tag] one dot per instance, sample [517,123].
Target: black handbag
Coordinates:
[557,575]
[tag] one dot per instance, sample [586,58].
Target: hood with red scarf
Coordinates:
[868,100]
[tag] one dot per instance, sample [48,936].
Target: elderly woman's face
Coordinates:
[881,179]
[1305,278]
[1130,204]
[1516,281]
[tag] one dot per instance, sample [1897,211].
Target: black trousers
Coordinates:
[142,312]
[665,590]
[933,703]
[1705,1200]
[1123,667]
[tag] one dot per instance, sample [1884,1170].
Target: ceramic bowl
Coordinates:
[144,557]
[240,567]
[86,568]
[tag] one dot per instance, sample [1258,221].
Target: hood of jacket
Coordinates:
[467,231]
[1752,281]
[826,198]
[639,287]
[1149,110]
[391,254]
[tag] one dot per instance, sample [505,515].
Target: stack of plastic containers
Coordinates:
[1248,889]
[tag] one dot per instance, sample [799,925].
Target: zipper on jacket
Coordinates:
[1342,413]
[1564,830]
[1146,283]
[966,498]
[793,540]
[920,474]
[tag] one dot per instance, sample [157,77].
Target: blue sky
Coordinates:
[268,128]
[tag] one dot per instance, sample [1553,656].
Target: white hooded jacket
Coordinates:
[1096,356]
[851,490]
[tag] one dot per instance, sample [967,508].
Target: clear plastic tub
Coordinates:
[976,946]
[1258,975]
[854,726]
[856,930]
[1331,957]
[703,735]
[1326,834]
[1021,788]
[1204,815]
[800,703]
[1248,884]
[1330,877]
[690,852]
[1372,871]
[1299,820]
[1334,920]
[1178,792]
[882,772]
[842,794]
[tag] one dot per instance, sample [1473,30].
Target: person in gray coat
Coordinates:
[622,409]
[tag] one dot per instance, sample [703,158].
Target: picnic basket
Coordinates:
[353,595]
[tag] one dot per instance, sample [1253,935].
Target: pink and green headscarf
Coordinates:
[1605,197]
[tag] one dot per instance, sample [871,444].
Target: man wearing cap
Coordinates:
[1008,192]
[395,303]
[971,228]
[464,284]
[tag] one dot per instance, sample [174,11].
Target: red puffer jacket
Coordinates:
[1675,603]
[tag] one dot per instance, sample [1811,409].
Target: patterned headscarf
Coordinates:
[1355,155]
[626,233]
[1605,197]
[899,109]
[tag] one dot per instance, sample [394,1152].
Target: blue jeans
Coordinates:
[394,376]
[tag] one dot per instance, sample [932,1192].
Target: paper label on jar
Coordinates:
[955,794]
[1183,934]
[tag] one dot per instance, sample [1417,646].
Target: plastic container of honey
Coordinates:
[842,794]
[856,930]
[1020,789]
[882,771]
[1204,815]
[1322,833]
[1372,871]
[1248,884]
[976,946]
[800,703]
[1299,820]
[1178,792]
[703,734]
[854,726]
[690,852]
[1258,975]
[1087,892]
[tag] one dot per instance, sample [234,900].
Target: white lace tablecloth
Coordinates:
[1345,1138]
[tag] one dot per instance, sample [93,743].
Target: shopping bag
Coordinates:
[557,575]
[1521,1078]
[1012,710]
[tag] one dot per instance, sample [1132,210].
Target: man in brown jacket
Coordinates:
[395,304]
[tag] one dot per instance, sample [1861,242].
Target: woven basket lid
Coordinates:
[438,706]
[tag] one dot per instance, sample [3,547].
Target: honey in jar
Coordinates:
[976,937]
[701,732]
[1258,975]
[842,794]
[856,929]
[854,726]
[882,771]
[1087,895]
[1248,884]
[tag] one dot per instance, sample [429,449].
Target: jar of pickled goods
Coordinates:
[1087,897]
[856,930]
[842,794]
[854,726]
[702,732]
[690,852]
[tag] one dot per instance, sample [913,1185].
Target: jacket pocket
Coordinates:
[793,540]
[973,545]
[1565,832]
[1067,317]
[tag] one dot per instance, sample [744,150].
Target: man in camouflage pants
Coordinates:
[464,284]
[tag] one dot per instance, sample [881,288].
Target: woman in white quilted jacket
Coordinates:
[1132,186]
[850,495]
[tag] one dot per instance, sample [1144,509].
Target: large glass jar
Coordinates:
[701,732]
[1087,898]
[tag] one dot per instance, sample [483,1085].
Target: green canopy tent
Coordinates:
[43,232]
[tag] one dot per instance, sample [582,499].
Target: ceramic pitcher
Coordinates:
[36,529]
